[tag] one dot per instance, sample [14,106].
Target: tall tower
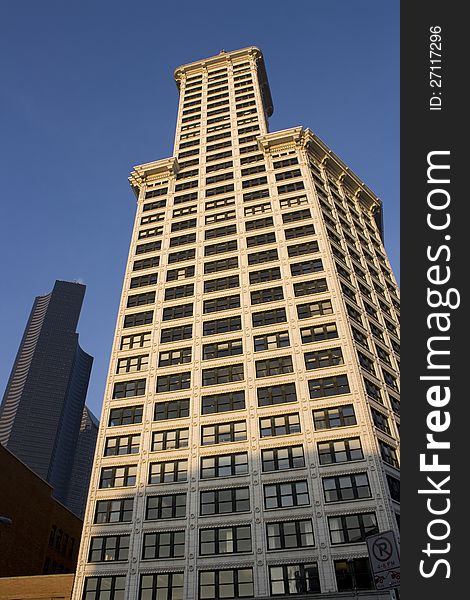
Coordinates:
[42,407]
[249,434]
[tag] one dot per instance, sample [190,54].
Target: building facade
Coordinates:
[249,434]
[43,404]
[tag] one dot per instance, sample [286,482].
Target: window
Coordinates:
[282,495]
[125,444]
[187,210]
[280,459]
[271,341]
[309,266]
[127,389]
[280,425]
[181,225]
[216,403]
[226,583]
[354,314]
[132,364]
[151,232]
[219,375]
[180,291]
[170,440]
[118,476]
[146,263]
[175,409]
[168,586]
[259,240]
[349,529]
[154,205]
[286,162]
[373,390]
[173,334]
[114,511]
[143,280]
[289,534]
[360,338]
[346,487]
[221,265]
[175,357]
[181,256]
[323,358]
[224,465]
[314,309]
[382,354]
[164,544]
[167,472]
[390,380]
[217,502]
[173,382]
[220,248]
[222,189]
[274,366]
[328,386]
[262,257]
[319,333]
[222,325]
[225,540]
[223,303]
[177,312]
[277,394]
[113,547]
[297,232]
[293,201]
[265,275]
[301,249]
[380,421]
[353,574]
[257,209]
[222,433]
[130,415]
[223,283]
[222,349]
[141,299]
[341,416]
[267,295]
[292,580]
[340,451]
[171,506]
[137,319]
[298,215]
[105,588]
[258,223]
[212,204]
[394,487]
[269,317]
[179,274]
[181,240]
[389,454]
[186,197]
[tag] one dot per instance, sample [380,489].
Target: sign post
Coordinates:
[384,560]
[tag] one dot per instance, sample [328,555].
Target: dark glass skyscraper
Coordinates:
[44,400]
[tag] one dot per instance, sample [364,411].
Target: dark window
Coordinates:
[225,540]
[143,280]
[323,358]
[181,240]
[174,357]
[217,403]
[280,425]
[146,263]
[118,476]
[274,366]
[301,249]
[220,248]
[339,416]
[346,487]
[124,444]
[223,303]
[262,257]
[179,274]
[114,511]
[107,548]
[389,379]
[277,394]
[173,334]
[171,506]
[389,454]
[224,465]
[215,502]
[181,256]
[280,459]
[174,382]
[226,583]
[222,349]
[177,312]
[297,232]
[127,389]
[219,375]
[181,291]
[373,390]
[156,193]
[347,529]
[137,319]
[308,266]
[328,386]
[292,580]
[298,215]
[271,341]
[318,333]
[221,265]
[259,223]
[153,205]
[259,240]
[314,309]
[340,451]
[185,197]
[353,574]
[164,544]
[223,283]
[286,162]
[125,416]
[140,299]
[222,189]
[267,295]
[170,439]
[268,317]
[265,275]
[104,588]
[360,337]
[176,409]
[394,487]
[283,495]
[181,225]
[291,187]
[222,325]
[222,433]
[167,472]
[380,421]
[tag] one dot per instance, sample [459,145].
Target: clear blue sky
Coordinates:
[87,92]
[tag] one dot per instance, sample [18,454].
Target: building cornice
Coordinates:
[158,169]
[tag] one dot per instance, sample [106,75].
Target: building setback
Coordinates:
[249,435]
[44,400]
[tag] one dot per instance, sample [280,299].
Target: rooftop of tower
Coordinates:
[235,55]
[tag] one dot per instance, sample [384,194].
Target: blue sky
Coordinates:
[87,92]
